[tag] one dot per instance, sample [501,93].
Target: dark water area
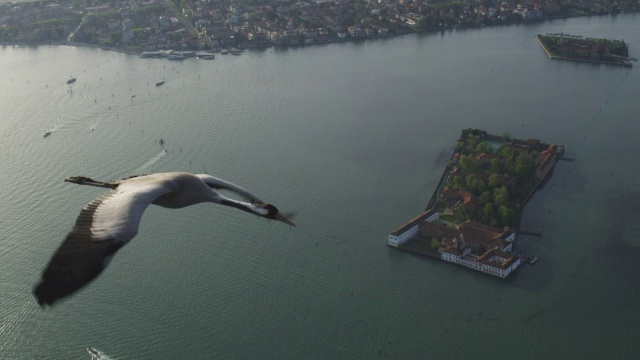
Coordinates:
[621,233]
[353,137]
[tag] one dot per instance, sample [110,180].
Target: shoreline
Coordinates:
[75,44]
[338,40]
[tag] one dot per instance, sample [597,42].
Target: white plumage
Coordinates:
[111,220]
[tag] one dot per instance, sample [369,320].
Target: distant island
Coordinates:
[473,216]
[576,48]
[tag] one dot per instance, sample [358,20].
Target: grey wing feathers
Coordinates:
[77,261]
[219,184]
[103,226]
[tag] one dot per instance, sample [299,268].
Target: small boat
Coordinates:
[159,83]
[533,260]
[224,51]
[176,57]
[71,80]
[97,354]
[47,133]
[235,51]
[206,57]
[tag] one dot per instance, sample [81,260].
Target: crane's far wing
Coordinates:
[219,184]
[104,225]
[76,263]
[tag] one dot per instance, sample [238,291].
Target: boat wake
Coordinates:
[94,124]
[52,129]
[146,167]
[97,354]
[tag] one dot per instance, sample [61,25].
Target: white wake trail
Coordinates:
[146,167]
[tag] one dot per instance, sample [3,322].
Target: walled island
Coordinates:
[576,48]
[473,216]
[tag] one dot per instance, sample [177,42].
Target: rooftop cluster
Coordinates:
[204,24]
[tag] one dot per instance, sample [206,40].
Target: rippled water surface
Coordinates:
[351,137]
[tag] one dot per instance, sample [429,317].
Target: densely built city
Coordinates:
[137,26]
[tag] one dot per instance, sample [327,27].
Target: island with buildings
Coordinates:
[473,216]
[576,48]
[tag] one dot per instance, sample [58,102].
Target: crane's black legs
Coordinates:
[83,180]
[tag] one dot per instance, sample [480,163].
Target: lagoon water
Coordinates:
[352,137]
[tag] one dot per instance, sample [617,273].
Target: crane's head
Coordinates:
[255,207]
[271,212]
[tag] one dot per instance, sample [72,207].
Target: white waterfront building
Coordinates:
[496,263]
[410,229]
[474,245]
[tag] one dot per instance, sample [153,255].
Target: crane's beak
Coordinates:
[280,217]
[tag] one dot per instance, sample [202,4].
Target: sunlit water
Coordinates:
[351,137]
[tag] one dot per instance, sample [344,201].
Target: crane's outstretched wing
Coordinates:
[104,225]
[219,184]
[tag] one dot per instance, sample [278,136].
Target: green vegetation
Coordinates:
[496,172]
[451,218]
[8,32]
[440,206]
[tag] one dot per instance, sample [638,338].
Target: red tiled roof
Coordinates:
[506,259]
[484,234]
[404,227]
[438,231]
[452,251]
[465,196]
[473,232]
[546,156]
[486,157]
